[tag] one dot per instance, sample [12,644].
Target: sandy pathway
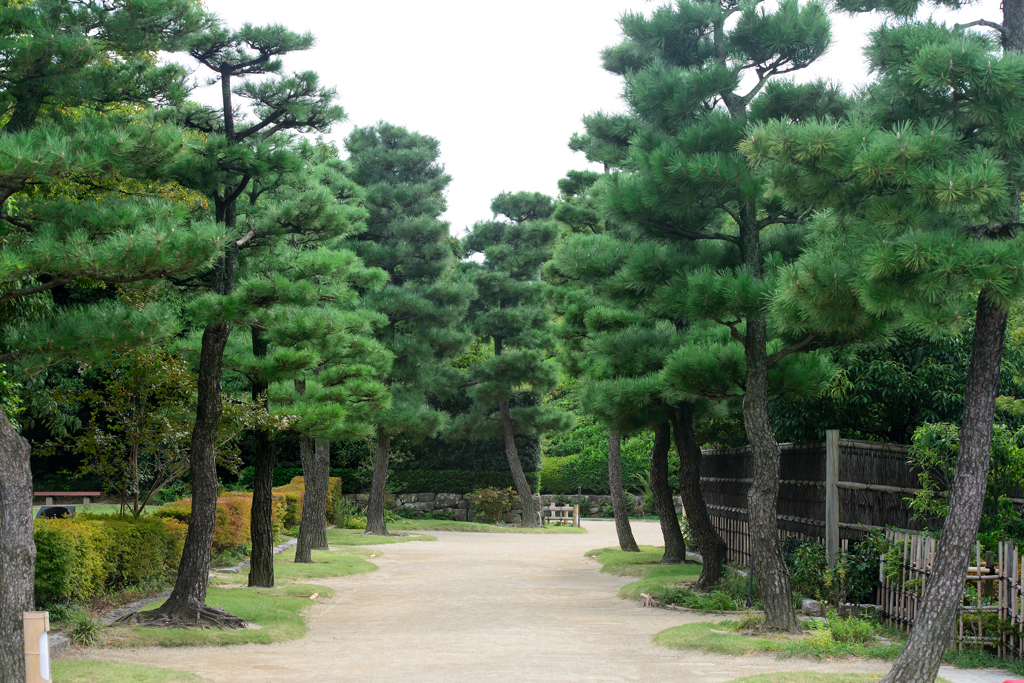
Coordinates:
[479,607]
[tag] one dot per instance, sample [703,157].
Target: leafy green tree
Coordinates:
[239,149]
[423,302]
[695,73]
[513,311]
[934,165]
[54,58]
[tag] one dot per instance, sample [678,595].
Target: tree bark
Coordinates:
[711,546]
[17,550]
[675,545]
[763,496]
[620,507]
[261,519]
[530,509]
[186,606]
[375,506]
[943,592]
[315,456]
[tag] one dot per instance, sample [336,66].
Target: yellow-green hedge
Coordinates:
[79,559]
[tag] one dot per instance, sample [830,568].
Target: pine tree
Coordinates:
[61,226]
[239,149]
[423,302]
[683,181]
[512,310]
[922,192]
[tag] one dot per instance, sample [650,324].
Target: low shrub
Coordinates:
[78,559]
[494,502]
[552,479]
[231,528]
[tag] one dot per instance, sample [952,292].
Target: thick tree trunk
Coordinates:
[763,496]
[675,545]
[712,547]
[619,505]
[315,456]
[943,592]
[186,606]
[17,550]
[375,506]
[261,525]
[261,518]
[531,512]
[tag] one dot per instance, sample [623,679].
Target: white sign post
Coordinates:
[37,647]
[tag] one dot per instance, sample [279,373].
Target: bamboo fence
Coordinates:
[991,611]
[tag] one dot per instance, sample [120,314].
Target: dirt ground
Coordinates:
[480,607]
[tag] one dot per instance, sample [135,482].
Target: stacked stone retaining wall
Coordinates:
[461,508]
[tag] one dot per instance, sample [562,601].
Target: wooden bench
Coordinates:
[86,496]
[561,514]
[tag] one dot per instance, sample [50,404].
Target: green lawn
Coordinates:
[811,677]
[278,617]
[326,564]
[357,537]
[404,525]
[644,566]
[93,671]
[95,508]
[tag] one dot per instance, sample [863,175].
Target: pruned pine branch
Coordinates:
[791,349]
[983,22]
[991,229]
[778,220]
[734,331]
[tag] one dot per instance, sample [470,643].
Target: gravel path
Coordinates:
[480,607]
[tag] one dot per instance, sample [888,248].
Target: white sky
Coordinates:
[502,86]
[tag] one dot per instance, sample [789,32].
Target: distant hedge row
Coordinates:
[587,468]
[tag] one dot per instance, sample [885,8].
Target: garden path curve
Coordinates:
[479,607]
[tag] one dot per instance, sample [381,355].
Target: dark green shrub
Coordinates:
[552,479]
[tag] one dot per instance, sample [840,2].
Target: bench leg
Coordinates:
[86,500]
[49,500]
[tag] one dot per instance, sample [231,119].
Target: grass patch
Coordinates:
[403,525]
[357,537]
[812,677]
[94,508]
[653,577]
[327,564]
[94,671]
[719,637]
[278,618]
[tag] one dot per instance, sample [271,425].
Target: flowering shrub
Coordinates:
[493,503]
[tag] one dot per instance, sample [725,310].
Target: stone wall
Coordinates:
[461,510]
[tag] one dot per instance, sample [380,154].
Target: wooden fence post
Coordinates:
[831,495]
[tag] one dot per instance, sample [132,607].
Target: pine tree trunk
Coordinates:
[375,506]
[943,592]
[261,519]
[619,504]
[315,456]
[675,545]
[763,496]
[186,608]
[530,511]
[17,550]
[711,546]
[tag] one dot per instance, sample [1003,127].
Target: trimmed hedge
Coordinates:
[453,481]
[293,493]
[81,558]
[587,469]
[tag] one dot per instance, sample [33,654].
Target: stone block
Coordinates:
[363,497]
[425,497]
[422,507]
[512,517]
[408,506]
[409,497]
[447,500]
[463,504]
[812,608]
[471,515]
[460,514]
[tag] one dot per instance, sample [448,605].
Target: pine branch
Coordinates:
[983,22]
[778,220]
[692,235]
[25,291]
[734,331]
[791,349]
[991,229]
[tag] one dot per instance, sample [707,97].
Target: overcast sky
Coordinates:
[502,85]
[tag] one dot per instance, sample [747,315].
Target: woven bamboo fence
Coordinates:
[992,608]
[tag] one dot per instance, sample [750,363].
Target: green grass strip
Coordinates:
[94,671]
[644,566]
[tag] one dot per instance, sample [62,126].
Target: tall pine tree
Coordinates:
[423,302]
[512,309]
[62,169]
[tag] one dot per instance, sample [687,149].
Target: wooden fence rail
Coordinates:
[991,611]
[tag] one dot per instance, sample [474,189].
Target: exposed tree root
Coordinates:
[199,616]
